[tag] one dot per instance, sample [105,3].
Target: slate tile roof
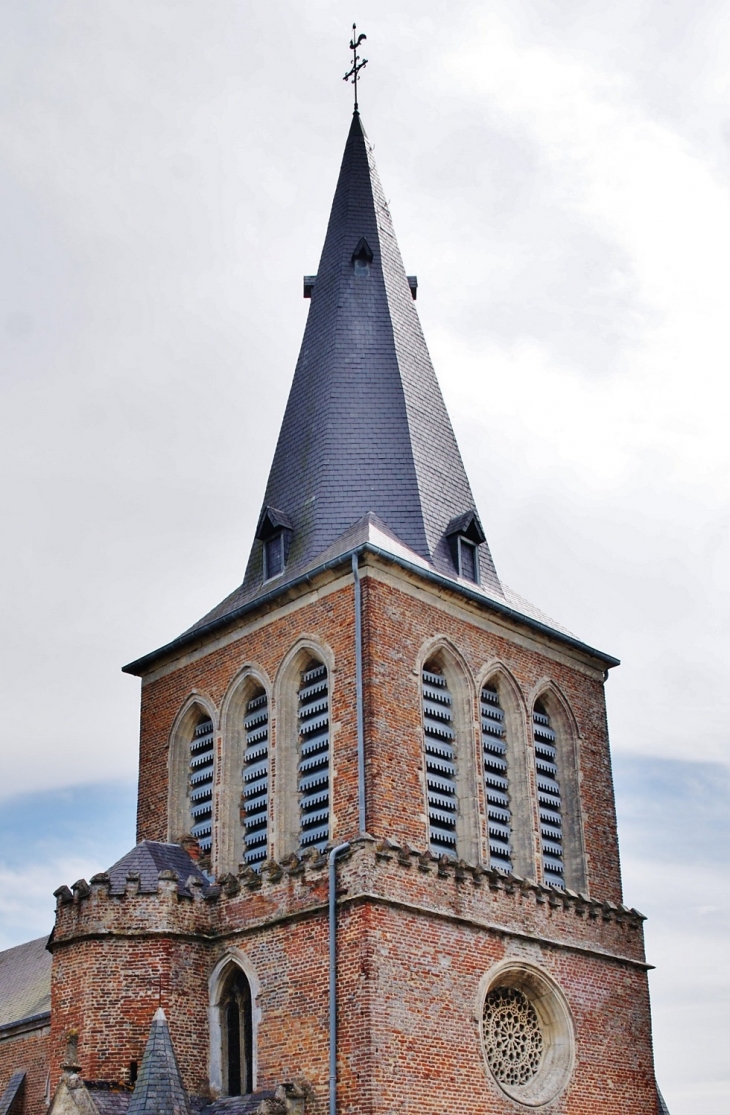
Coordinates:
[109,1099]
[365,432]
[365,428]
[159,1089]
[150,857]
[237,1105]
[117,1101]
[12,1098]
[25,981]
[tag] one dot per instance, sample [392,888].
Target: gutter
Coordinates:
[25,1025]
[338,851]
[192,638]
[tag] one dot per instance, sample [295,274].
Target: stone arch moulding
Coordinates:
[216,985]
[565,725]
[284,766]
[233,740]
[523,805]
[547,1008]
[440,651]
[195,705]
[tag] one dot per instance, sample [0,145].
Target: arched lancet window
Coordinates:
[440,753]
[549,798]
[200,782]
[496,780]
[236,1027]
[314,757]
[255,798]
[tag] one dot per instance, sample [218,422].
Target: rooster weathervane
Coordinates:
[357,63]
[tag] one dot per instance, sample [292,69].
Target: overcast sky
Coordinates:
[558,176]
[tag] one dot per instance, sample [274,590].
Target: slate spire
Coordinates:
[365,428]
[159,1088]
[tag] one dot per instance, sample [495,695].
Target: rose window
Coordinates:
[513,1039]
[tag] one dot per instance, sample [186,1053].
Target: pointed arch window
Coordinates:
[237,1034]
[496,780]
[200,783]
[314,757]
[549,798]
[255,801]
[440,755]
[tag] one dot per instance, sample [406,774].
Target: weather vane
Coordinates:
[357,63]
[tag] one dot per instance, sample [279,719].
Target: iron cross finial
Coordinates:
[357,63]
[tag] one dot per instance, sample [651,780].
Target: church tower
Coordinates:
[377,866]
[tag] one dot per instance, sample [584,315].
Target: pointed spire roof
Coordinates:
[365,428]
[159,1088]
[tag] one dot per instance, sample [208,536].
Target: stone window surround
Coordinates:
[285,829]
[568,755]
[229,830]
[522,806]
[194,708]
[556,1025]
[466,693]
[216,987]
[443,655]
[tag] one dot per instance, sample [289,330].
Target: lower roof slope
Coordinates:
[25,981]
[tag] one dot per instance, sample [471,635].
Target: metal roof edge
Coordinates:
[140,666]
[21,1025]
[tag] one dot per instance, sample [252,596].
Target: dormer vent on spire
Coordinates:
[274,532]
[466,534]
[362,257]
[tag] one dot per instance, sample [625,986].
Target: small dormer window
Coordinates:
[362,257]
[468,561]
[274,532]
[465,535]
[274,556]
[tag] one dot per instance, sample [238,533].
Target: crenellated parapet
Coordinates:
[375,870]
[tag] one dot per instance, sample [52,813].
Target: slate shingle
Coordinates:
[150,857]
[25,981]
[365,428]
[12,1098]
[159,1089]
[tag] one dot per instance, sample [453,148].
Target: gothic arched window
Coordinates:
[200,782]
[314,757]
[440,749]
[255,797]
[237,1034]
[496,779]
[548,797]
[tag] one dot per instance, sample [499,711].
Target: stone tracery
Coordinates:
[513,1039]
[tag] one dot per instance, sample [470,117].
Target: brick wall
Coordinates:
[416,937]
[27,1053]
[399,620]
[421,1047]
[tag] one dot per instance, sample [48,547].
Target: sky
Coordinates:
[558,176]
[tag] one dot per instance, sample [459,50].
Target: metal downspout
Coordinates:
[358,698]
[338,851]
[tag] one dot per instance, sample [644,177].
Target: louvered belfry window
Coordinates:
[314,758]
[548,797]
[200,784]
[496,780]
[256,780]
[439,745]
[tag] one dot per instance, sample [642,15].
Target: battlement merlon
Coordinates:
[376,871]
